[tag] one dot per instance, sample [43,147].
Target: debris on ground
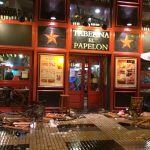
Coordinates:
[15,121]
[143,122]
[131,118]
[111,115]
[49,116]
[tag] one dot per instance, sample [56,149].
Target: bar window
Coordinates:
[127,16]
[91,13]
[146,15]
[53,10]
[14,66]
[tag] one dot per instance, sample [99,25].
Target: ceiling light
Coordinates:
[1,2]
[129,24]
[53,18]
[97,11]
[89,19]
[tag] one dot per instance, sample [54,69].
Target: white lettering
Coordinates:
[91,40]
[75,45]
[91,46]
[91,34]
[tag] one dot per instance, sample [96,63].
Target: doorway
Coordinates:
[85,82]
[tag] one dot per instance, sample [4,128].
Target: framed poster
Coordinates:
[51,70]
[125,72]
[126,42]
[51,37]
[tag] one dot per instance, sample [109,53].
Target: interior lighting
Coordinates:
[53,18]
[77,65]
[20,56]
[1,2]
[61,60]
[127,29]
[97,11]
[129,24]
[9,64]
[52,23]
[89,19]
[146,56]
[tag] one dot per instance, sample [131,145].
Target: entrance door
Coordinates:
[84,82]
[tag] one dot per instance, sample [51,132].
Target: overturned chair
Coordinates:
[136,105]
[64,103]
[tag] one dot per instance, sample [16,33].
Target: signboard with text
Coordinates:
[51,71]
[90,40]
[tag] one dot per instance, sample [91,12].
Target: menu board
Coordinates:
[51,70]
[126,72]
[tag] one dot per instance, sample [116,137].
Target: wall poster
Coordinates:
[51,71]
[126,72]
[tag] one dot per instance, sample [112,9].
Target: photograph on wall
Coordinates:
[51,71]
[126,42]
[125,72]
[127,16]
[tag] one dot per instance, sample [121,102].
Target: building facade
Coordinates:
[90,50]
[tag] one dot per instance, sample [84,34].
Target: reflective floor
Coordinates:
[91,132]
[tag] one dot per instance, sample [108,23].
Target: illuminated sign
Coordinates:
[90,40]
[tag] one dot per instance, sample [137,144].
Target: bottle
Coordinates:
[10,14]
[14,14]
[1,16]
[6,13]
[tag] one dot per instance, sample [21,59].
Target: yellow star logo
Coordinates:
[126,42]
[51,38]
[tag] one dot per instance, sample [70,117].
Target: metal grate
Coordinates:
[128,126]
[15,147]
[94,145]
[77,127]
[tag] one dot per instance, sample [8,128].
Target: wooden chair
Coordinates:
[64,103]
[136,104]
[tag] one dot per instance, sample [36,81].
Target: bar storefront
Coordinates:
[86,50]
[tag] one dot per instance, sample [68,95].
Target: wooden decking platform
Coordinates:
[92,132]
